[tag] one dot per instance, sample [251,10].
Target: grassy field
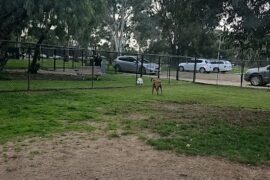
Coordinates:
[190,119]
[44,64]
[237,70]
[49,64]
[46,82]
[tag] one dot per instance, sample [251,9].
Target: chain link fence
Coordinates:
[77,68]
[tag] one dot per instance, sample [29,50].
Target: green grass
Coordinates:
[217,138]
[237,70]
[9,83]
[44,63]
[226,122]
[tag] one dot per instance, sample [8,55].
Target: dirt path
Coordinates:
[79,156]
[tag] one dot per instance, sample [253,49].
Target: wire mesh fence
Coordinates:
[77,68]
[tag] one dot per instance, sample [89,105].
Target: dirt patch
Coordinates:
[198,112]
[137,117]
[78,156]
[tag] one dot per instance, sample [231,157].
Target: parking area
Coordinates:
[226,79]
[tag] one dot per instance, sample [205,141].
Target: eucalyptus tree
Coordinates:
[146,29]
[119,20]
[66,19]
[13,16]
[38,19]
[250,27]
[187,24]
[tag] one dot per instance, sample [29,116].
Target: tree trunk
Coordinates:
[34,66]
[116,42]
[3,60]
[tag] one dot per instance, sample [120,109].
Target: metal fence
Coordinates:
[77,68]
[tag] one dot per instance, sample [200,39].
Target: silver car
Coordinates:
[131,64]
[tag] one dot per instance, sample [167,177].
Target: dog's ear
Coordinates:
[151,79]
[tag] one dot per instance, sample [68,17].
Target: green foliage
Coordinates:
[176,27]
[250,24]
[120,19]
[13,16]
[187,24]
[38,17]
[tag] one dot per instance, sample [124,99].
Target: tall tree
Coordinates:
[119,20]
[249,21]
[146,30]
[67,19]
[13,16]
[63,19]
[187,24]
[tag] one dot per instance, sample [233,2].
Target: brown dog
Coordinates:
[156,85]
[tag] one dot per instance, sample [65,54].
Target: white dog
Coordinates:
[140,81]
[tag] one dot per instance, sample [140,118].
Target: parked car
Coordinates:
[43,56]
[203,66]
[221,66]
[258,76]
[129,64]
[56,57]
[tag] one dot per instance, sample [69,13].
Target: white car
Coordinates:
[203,66]
[43,56]
[221,66]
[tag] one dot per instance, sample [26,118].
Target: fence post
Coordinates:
[195,70]
[177,70]
[82,57]
[54,60]
[29,64]
[137,67]
[41,58]
[242,68]
[142,66]
[114,66]
[170,59]
[93,69]
[159,68]
[64,61]
[242,73]
[73,59]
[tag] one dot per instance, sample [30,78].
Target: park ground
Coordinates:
[190,132]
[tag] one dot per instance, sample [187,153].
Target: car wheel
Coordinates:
[216,70]
[118,68]
[202,70]
[256,81]
[181,69]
